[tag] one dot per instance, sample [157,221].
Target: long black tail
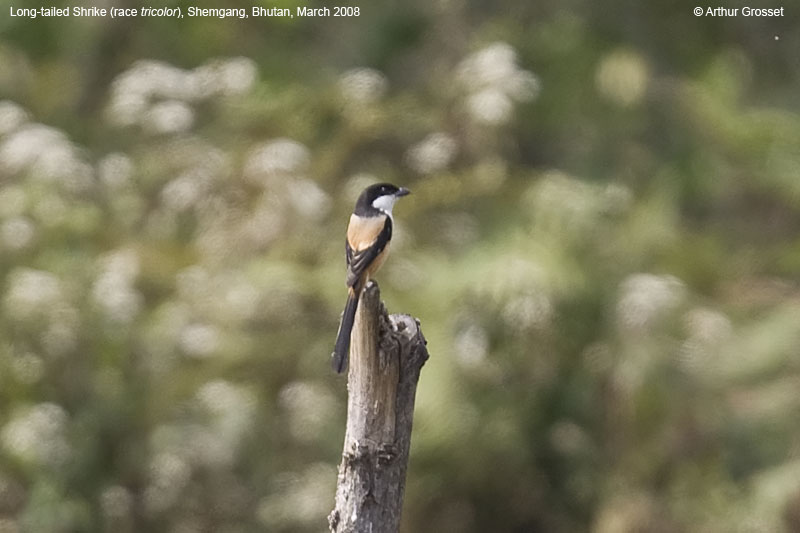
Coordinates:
[342,348]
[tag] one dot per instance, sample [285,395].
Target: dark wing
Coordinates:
[359,260]
[348,252]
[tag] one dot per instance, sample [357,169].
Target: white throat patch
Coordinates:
[385,203]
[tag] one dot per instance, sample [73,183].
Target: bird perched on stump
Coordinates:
[367,245]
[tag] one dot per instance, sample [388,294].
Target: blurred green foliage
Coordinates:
[603,247]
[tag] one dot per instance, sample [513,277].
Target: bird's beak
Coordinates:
[402,191]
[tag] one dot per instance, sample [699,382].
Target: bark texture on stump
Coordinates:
[386,355]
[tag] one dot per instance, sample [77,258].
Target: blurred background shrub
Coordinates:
[603,246]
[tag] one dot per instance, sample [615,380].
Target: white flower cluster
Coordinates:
[197,169]
[644,303]
[38,297]
[168,475]
[567,205]
[186,190]
[199,340]
[300,499]
[529,310]
[113,290]
[493,82]
[308,198]
[210,437]
[645,298]
[27,368]
[282,166]
[37,434]
[228,295]
[156,95]
[32,293]
[710,331]
[12,116]
[265,223]
[277,160]
[432,154]
[43,152]
[309,407]
[471,345]
[117,502]
[17,233]
[524,294]
[229,409]
[362,85]
[115,170]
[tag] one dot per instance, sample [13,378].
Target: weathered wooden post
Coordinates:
[386,355]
